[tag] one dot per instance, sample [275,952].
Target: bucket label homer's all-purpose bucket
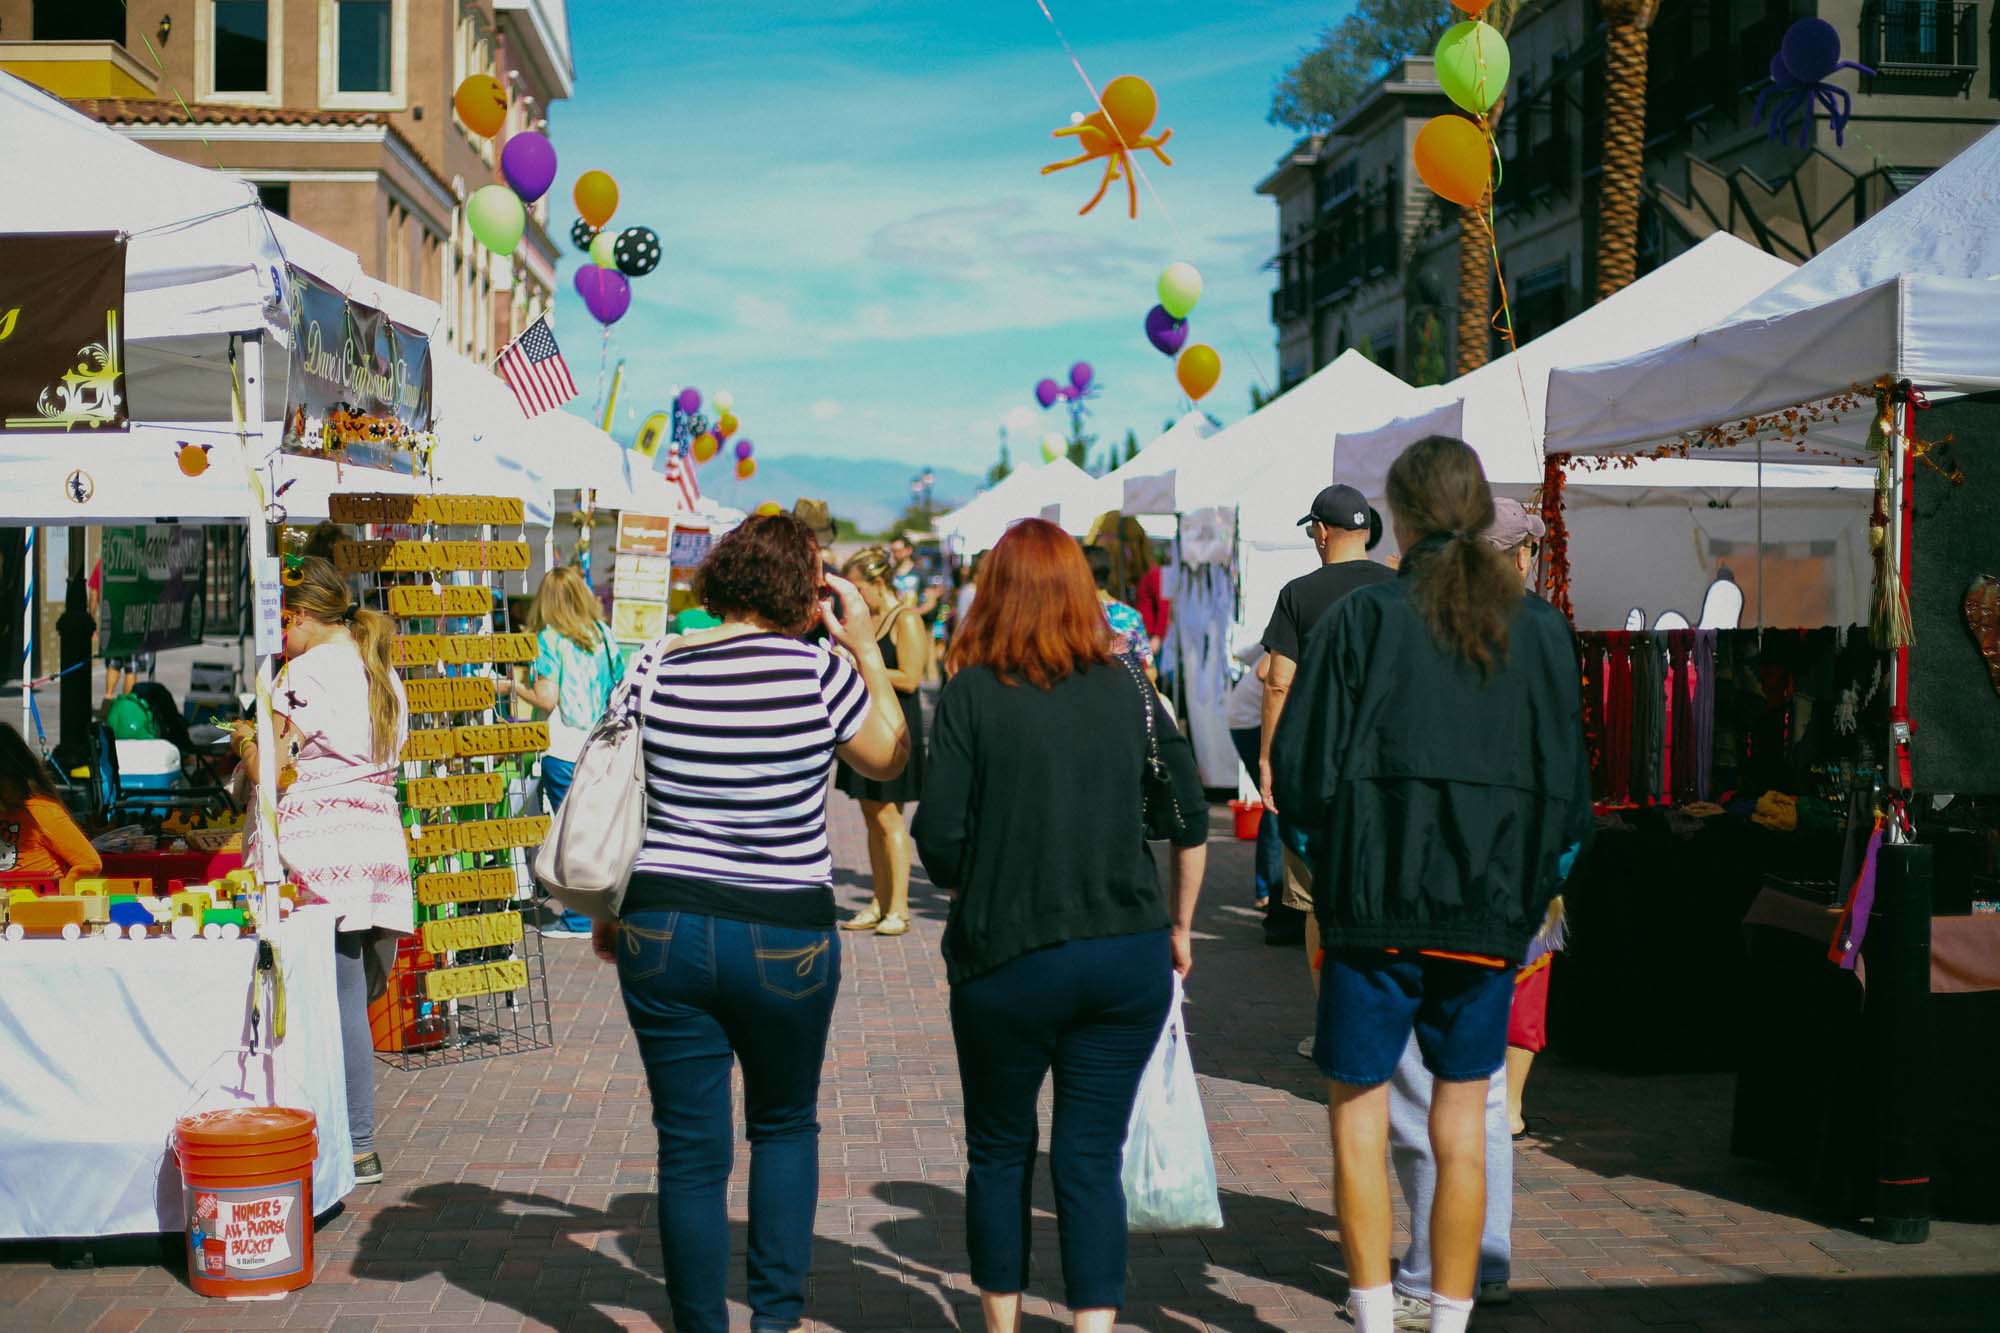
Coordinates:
[248,1234]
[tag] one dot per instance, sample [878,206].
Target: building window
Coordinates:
[367,37]
[241,48]
[363,54]
[79,21]
[276,196]
[1540,303]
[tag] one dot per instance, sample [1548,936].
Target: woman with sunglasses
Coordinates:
[341,719]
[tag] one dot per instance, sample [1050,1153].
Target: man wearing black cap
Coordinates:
[1343,528]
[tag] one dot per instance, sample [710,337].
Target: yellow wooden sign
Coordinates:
[486,931]
[459,694]
[424,557]
[485,835]
[425,746]
[465,886]
[455,510]
[464,789]
[503,738]
[417,599]
[463,649]
[458,983]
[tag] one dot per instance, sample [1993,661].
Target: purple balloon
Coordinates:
[605,292]
[689,401]
[744,449]
[529,164]
[1047,392]
[1166,333]
[1079,376]
[1811,50]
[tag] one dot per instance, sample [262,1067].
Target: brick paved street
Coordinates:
[519,1191]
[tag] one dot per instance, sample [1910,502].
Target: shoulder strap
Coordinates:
[1145,687]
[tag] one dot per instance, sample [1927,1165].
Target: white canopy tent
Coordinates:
[1912,293]
[1023,493]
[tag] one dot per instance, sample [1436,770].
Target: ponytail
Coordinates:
[1463,588]
[375,635]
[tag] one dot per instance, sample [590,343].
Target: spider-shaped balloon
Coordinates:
[1807,57]
[1113,133]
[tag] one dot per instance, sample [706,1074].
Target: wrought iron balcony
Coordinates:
[1920,40]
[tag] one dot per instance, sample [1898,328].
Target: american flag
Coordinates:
[680,473]
[534,369]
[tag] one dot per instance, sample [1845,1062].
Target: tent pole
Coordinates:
[1901,510]
[29,555]
[1760,539]
[250,426]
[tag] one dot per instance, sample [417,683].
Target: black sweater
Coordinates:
[1031,811]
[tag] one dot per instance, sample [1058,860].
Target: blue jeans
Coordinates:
[556,777]
[1416,1170]
[1270,872]
[1091,1010]
[703,992]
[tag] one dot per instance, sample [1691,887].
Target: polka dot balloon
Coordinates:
[581,234]
[638,251]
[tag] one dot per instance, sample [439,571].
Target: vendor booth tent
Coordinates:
[1498,408]
[1909,294]
[1023,493]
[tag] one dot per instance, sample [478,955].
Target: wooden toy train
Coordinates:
[36,907]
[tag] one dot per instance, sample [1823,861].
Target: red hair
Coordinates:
[1037,617]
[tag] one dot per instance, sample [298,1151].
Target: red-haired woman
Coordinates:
[1060,941]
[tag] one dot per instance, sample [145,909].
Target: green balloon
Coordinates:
[1180,289]
[1473,65]
[603,250]
[496,217]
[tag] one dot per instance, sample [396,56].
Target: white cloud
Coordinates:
[826,409]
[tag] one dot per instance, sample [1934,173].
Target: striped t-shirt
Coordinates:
[739,738]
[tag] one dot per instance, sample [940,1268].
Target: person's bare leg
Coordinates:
[1312,948]
[878,852]
[1002,1311]
[896,860]
[1095,1321]
[1360,1119]
[1458,1142]
[1519,1060]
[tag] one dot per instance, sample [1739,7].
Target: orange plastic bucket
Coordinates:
[1249,816]
[246,1186]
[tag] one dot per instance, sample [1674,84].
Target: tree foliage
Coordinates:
[1002,468]
[1328,80]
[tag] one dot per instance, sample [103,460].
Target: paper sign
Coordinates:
[270,601]
[646,534]
[637,622]
[691,547]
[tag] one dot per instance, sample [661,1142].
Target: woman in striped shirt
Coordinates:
[725,946]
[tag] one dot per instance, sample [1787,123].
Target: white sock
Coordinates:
[1373,1308]
[1448,1315]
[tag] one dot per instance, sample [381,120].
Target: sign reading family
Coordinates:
[153,584]
[360,390]
[62,341]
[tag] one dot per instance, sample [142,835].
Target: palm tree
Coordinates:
[1625,42]
[1475,291]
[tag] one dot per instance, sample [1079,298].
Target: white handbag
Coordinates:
[595,837]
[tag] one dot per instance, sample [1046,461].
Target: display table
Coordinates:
[160,866]
[104,1044]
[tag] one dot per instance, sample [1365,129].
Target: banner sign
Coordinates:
[152,596]
[62,338]
[360,387]
[643,534]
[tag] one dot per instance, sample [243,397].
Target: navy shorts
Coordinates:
[1369,999]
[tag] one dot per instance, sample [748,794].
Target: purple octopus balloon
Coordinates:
[1166,333]
[1807,57]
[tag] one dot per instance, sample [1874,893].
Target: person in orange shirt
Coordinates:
[37,835]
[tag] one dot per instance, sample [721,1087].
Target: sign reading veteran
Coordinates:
[360,387]
[62,332]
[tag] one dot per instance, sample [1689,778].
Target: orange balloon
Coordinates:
[1198,370]
[705,446]
[725,425]
[1454,159]
[746,468]
[596,197]
[482,104]
[1473,7]
[1129,101]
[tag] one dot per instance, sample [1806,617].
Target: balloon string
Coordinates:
[1503,318]
[1132,163]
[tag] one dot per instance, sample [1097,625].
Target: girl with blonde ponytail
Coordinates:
[342,718]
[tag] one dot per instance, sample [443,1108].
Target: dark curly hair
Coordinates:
[767,569]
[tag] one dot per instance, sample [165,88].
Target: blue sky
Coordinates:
[857,243]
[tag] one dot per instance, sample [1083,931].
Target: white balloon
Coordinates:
[723,400]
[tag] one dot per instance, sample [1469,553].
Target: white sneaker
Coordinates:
[1413,1314]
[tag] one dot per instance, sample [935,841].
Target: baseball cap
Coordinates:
[1512,524]
[1344,507]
